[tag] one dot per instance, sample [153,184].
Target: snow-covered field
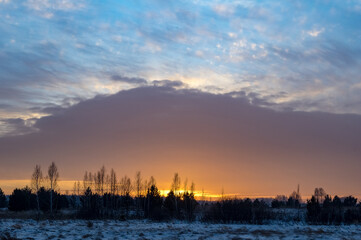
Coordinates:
[136,229]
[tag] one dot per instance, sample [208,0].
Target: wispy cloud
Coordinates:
[51,51]
[64,5]
[315,32]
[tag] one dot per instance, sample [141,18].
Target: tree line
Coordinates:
[323,209]
[103,195]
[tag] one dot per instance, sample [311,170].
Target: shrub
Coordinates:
[22,200]
[3,201]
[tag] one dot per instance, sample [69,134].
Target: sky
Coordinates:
[253,97]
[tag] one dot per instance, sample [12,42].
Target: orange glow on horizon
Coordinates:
[67,187]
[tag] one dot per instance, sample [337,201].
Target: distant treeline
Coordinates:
[102,195]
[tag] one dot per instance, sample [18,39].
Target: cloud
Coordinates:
[162,130]
[330,52]
[49,52]
[64,5]
[16,127]
[224,9]
[119,78]
[47,8]
[168,83]
[315,32]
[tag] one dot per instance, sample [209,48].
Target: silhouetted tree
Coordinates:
[279,201]
[76,188]
[189,204]
[113,182]
[92,205]
[350,201]
[138,190]
[22,200]
[58,201]
[326,211]
[294,199]
[3,201]
[152,182]
[53,176]
[337,210]
[169,204]
[154,204]
[292,202]
[313,210]
[36,181]
[236,210]
[125,186]
[175,188]
[352,215]
[87,181]
[99,180]
[260,212]
[319,194]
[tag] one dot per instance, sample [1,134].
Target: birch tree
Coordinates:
[53,176]
[36,181]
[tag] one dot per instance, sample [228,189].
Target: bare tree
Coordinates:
[96,177]
[319,194]
[145,187]
[91,179]
[151,182]
[138,184]
[87,181]
[295,195]
[185,186]
[203,198]
[113,182]
[36,181]
[222,194]
[322,194]
[78,188]
[281,198]
[176,184]
[53,176]
[74,188]
[125,186]
[99,181]
[175,188]
[107,183]
[138,190]
[102,180]
[193,188]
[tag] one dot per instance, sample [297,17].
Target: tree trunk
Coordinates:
[51,201]
[37,202]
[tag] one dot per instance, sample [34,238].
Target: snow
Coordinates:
[142,229]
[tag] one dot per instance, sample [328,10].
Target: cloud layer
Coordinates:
[301,55]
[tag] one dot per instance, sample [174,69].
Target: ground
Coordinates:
[137,229]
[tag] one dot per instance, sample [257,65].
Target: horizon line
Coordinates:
[207,195]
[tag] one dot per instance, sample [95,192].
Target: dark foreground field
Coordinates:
[138,229]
